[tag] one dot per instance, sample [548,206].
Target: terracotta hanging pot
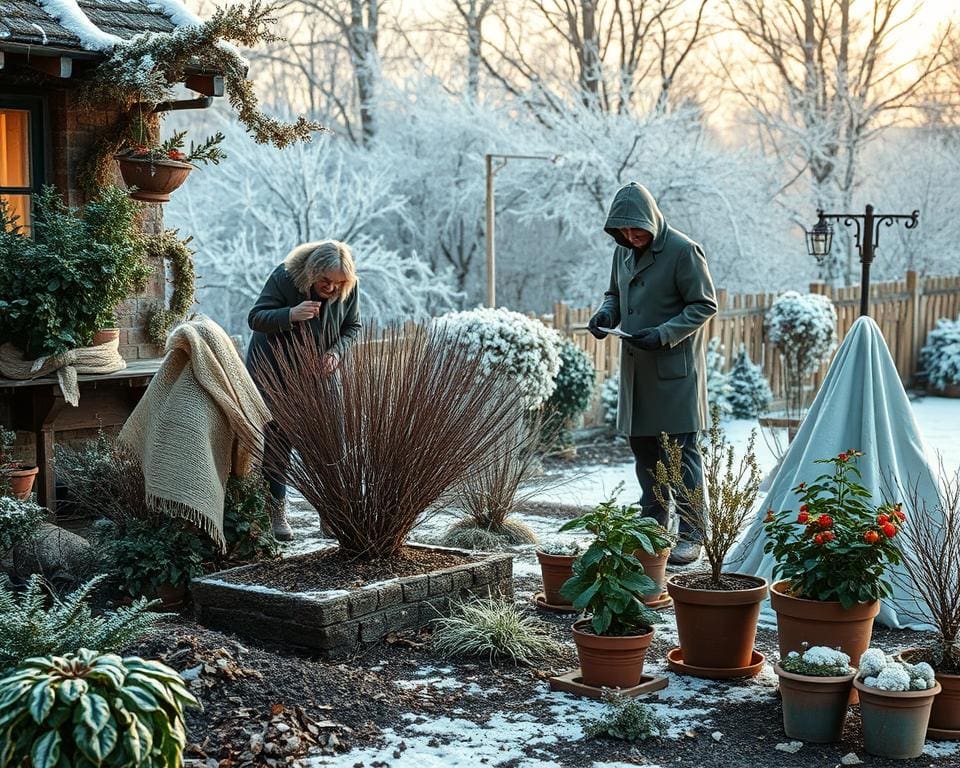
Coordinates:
[717,628]
[945,713]
[154,179]
[556,569]
[895,722]
[814,708]
[610,661]
[21,481]
[655,566]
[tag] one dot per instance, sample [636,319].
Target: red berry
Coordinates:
[889,530]
[803,517]
[824,521]
[818,538]
[843,456]
[871,537]
[881,519]
[804,508]
[769,517]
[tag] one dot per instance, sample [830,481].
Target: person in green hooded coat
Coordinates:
[660,293]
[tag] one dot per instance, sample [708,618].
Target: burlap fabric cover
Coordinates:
[200,419]
[104,358]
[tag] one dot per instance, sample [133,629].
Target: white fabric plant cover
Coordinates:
[861,405]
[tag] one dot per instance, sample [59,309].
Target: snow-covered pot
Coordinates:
[654,566]
[154,179]
[556,569]
[945,713]
[21,480]
[895,722]
[610,661]
[814,708]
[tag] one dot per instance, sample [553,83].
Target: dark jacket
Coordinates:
[334,329]
[668,287]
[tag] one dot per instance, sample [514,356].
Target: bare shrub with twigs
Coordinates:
[719,507]
[407,416]
[930,543]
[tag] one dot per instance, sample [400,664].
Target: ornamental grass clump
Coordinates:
[818,661]
[39,622]
[838,546]
[407,418]
[494,629]
[608,581]
[718,508]
[626,719]
[883,672]
[91,708]
[930,546]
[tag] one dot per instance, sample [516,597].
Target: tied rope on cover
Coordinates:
[200,420]
[101,359]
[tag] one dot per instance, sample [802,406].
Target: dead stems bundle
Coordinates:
[405,419]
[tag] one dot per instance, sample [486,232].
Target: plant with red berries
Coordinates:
[207,151]
[838,545]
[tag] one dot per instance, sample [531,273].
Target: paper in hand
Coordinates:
[614,332]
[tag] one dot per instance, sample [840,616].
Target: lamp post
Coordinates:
[492,169]
[820,240]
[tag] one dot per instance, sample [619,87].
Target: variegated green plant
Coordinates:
[92,709]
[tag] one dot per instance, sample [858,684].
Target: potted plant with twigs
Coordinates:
[931,570]
[714,605]
[609,585]
[815,689]
[832,557]
[156,169]
[18,477]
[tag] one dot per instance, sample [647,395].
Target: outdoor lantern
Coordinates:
[819,240]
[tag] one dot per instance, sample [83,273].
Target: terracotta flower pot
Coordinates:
[945,714]
[21,481]
[655,566]
[154,180]
[610,662]
[895,722]
[717,628]
[105,336]
[556,569]
[814,708]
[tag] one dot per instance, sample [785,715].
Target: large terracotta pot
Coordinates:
[895,722]
[610,662]
[154,180]
[105,336]
[814,708]
[717,628]
[655,566]
[556,569]
[945,714]
[21,481]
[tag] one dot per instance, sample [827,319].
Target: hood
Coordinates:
[634,208]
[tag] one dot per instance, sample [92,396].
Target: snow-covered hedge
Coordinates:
[750,393]
[574,389]
[19,521]
[804,328]
[940,357]
[610,397]
[520,347]
[877,670]
[718,382]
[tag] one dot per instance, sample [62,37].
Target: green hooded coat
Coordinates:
[668,287]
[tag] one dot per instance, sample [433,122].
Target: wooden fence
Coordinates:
[905,310]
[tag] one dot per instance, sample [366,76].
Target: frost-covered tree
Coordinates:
[750,393]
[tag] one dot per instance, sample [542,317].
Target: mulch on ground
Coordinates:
[330,569]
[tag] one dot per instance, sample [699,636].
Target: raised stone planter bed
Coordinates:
[336,622]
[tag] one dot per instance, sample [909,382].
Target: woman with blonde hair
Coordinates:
[314,290]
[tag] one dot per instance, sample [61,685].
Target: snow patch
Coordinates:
[72,18]
[941,748]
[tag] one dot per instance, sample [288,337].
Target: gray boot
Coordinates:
[685,552]
[278,519]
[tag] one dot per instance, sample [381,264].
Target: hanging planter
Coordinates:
[153,180]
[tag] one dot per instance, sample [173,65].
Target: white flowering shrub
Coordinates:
[818,661]
[19,521]
[520,347]
[750,393]
[610,397]
[877,670]
[571,396]
[940,357]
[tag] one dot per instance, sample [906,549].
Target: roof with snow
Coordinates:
[38,22]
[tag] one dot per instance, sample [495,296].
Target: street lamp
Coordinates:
[820,240]
[491,249]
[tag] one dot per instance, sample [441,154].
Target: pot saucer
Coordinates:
[661,602]
[676,664]
[540,600]
[942,734]
[572,682]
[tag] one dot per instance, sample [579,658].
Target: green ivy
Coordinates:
[168,247]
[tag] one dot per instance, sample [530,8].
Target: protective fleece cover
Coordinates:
[861,405]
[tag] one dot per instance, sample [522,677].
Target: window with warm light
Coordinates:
[20,174]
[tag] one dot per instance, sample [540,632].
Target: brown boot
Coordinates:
[278,519]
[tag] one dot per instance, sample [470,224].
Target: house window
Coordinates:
[21,156]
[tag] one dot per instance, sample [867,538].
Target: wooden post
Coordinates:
[914,326]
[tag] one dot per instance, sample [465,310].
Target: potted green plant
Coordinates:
[832,557]
[18,477]
[815,689]
[556,559]
[64,283]
[154,170]
[717,611]
[609,584]
[895,703]
[931,571]
[92,708]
